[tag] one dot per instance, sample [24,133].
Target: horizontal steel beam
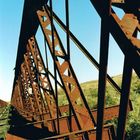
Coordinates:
[108,134]
[110,113]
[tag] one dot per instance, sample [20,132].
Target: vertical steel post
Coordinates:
[104,46]
[84,50]
[124,100]
[67,27]
[46,55]
[76,94]
[68,52]
[19,94]
[55,71]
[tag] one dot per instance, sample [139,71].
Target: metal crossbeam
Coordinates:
[35,97]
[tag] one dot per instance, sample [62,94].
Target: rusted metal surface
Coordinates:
[76,95]
[108,134]
[127,75]
[3,103]
[110,113]
[104,50]
[121,38]
[124,32]
[13,137]
[27,30]
[35,96]
[45,83]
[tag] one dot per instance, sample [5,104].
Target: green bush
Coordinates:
[133,133]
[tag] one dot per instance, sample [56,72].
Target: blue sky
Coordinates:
[10,20]
[84,23]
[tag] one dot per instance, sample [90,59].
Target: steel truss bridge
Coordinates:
[35,110]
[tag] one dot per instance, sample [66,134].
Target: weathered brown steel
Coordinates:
[62,67]
[27,30]
[83,49]
[35,98]
[45,83]
[104,48]
[124,32]
[127,75]
[90,134]
[110,113]
[120,36]
[3,103]
[17,98]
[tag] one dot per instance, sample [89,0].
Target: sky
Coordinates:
[10,20]
[85,25]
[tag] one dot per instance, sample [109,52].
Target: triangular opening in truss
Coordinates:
[119,12]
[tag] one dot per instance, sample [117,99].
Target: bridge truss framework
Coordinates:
[34,96]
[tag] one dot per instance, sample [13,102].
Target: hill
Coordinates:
[90,90]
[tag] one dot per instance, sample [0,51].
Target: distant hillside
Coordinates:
[90,90]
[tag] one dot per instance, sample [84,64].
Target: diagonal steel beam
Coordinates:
[77,93]
[83,49]
[29,27]
[125,44]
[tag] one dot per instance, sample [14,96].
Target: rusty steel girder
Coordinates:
[64,66]
[124,32]
[3,103]
[45,83]
[35,96]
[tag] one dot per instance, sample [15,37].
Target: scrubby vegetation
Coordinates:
[90,90]
[133,123]
[4,113]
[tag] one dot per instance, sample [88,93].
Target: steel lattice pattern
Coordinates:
[34,98]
